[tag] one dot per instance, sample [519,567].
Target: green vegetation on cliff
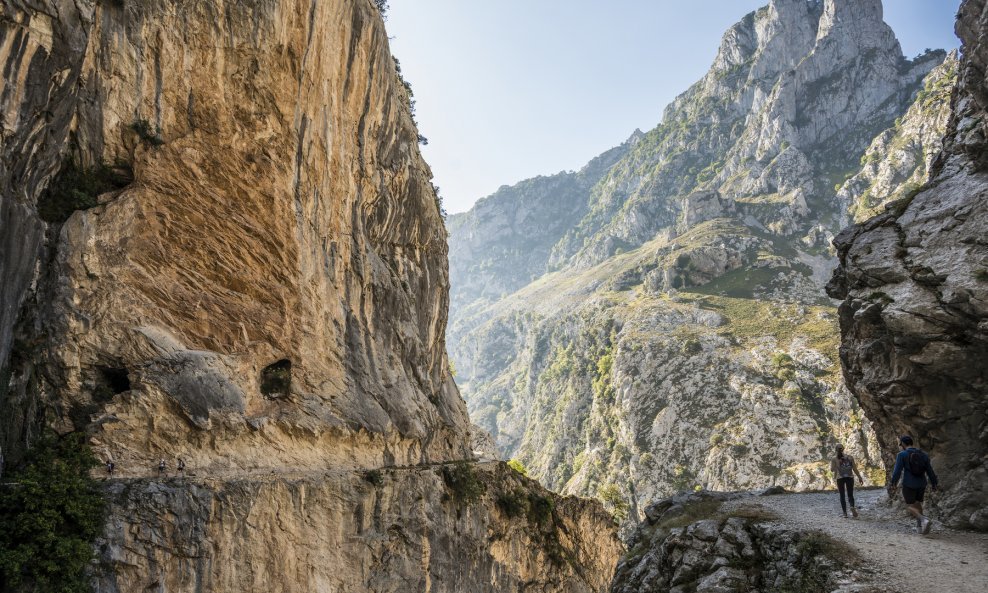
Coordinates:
[51,511]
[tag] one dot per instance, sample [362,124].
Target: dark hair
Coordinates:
[840,451]
[906,440]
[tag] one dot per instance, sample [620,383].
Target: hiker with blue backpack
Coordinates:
[914,466]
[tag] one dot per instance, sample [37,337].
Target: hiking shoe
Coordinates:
[924,525]
[854,511]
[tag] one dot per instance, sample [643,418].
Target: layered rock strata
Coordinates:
[221,244]
[914,283]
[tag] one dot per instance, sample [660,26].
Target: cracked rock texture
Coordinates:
[285,216]
[265,295]
[914,317]
[899,160]
[686,544]
[398,531]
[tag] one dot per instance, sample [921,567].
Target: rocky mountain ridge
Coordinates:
[679,335]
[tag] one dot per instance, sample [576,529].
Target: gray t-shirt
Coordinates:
[842,467]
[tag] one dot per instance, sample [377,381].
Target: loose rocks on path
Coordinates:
[943,561]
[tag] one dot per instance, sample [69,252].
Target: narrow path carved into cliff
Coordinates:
[263,474]
[944,560]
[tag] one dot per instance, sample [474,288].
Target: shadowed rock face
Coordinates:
[914,320]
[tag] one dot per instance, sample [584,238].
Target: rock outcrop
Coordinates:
[688,544]
[678,334]
[220,244]
[914,280]
[505,240]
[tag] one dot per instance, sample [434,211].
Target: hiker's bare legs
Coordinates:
[916,509]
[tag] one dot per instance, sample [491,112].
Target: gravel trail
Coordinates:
[943,561]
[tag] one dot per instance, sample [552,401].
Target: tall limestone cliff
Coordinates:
[898,162]
[678,334]
[220,243]
[914,282]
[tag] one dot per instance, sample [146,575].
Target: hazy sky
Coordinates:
[511,89]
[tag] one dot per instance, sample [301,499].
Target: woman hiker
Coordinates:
[844,470]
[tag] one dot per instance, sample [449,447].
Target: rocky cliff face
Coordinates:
[898,162]
[913,320]
[248,237]
[679,335]
[395,531]
[220,244]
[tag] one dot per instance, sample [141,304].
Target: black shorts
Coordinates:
[913,495]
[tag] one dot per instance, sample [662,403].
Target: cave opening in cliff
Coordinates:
[110,382]
[276,379]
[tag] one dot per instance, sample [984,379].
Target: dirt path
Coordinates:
[944,561]
[265,474]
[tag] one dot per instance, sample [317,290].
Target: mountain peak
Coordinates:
[851,27]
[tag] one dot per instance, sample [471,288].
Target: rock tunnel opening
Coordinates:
[276,379]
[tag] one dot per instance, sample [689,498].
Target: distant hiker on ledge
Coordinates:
[110,466]
[914,466]
[162,466]
[181,466]
[844,469]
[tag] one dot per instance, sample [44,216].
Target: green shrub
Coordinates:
[782,360]
[77,188]
[51,511]
[514,503]
[374,476]
[150,136]
[518,467]
[540,509]
[462,481]
[614,500]
[785,375]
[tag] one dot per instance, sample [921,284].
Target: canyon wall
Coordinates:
[220,244]
[914,283]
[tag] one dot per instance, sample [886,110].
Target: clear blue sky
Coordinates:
[511,89]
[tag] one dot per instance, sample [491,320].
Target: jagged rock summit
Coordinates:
[219,243]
